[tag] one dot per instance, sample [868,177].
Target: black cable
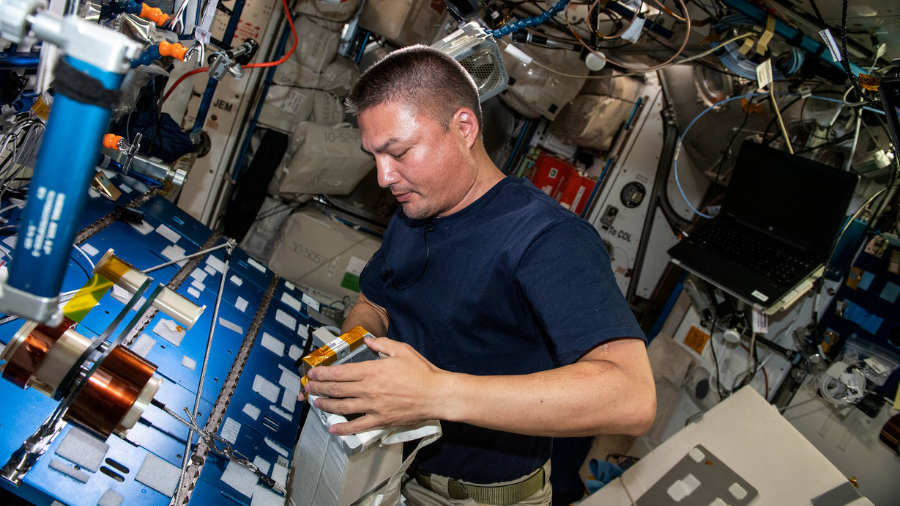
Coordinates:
[845,60]
[815,8]
[728,146]
[85,271]
[768,140]
[712,348]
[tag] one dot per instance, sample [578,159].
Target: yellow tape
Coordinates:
[747,46]
[763,45]
[87,297]
[114,268]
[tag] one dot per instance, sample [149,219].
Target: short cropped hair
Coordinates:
[431,82]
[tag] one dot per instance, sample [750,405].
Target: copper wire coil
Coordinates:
[32,350]
[110,392]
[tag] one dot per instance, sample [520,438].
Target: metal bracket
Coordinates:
[30,306]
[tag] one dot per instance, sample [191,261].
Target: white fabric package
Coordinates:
[594,117]
[331,14]
[327,475]
[537,91]
[317,45]
[323,159]
[327,109]
[318,252]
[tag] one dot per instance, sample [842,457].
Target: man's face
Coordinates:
[428,171]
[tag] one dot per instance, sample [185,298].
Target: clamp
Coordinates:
[221,62]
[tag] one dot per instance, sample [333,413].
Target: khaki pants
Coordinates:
[417,495]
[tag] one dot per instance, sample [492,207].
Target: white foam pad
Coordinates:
[280,474]
[262,496]
[272,344]
[262,464]
[159,475]
[270,391]
[289,379]
[69,470]
[110,498]
[143,345]
[251,411]
[240,478]
[83,449]
[230,430]
[189,363]
[170,330]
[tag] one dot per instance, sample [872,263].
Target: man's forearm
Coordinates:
[367,315]
[592,396]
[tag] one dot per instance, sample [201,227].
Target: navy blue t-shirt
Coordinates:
[512,284]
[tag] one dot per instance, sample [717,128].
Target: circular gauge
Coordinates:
[633,194]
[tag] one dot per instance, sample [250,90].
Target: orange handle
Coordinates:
[153,14]
[111,141]
[175,50]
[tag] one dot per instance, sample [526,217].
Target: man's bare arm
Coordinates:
[370,316]
[608,391]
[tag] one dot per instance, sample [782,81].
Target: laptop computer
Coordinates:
[778,223]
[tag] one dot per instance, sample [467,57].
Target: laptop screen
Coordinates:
[791,198]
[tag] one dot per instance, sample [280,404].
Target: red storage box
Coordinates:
[550,173]
[574,192]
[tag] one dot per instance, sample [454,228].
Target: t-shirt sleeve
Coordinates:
[566,277]
[371,279]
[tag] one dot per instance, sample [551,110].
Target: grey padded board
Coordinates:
[715,481]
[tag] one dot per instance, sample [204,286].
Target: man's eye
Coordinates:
[398,156]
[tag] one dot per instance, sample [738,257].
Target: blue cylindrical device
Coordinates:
[59,188]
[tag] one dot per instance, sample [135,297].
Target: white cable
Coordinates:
[86,256]
[691,58]
[845,390]
[787,140]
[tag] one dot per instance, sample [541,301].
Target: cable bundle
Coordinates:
[743,66]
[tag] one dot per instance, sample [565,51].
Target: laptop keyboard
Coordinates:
[755,255]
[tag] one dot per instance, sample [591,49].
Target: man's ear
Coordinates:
[467,122]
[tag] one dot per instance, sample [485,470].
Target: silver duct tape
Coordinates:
[141,29]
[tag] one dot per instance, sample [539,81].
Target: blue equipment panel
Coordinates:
[870,300]
[269,436]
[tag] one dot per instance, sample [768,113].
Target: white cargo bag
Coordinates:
[536,91]
[316,46]
[323,159]
[592,119]
[322,253]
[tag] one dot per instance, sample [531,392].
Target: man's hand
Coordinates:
[401,388]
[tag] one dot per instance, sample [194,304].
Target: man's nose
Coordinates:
[386,174]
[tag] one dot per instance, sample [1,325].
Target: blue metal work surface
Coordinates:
[267,371]
[288,323]
[160,433]
[252,270]
[98,206]
[253,445]
[269,436]
[177,219]
[205,493]
[226,343]
[75,493]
